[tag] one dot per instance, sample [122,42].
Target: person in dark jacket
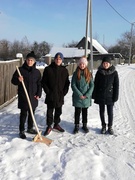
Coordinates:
[82,86]
[32,80]
[106,92]
[55,82]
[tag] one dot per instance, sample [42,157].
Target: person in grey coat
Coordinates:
[32,80]
[82,86]
[106,92]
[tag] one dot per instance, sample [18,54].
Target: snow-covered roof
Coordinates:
[98,46]
[75,52]
[68,52]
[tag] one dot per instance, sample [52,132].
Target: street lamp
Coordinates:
[130,48]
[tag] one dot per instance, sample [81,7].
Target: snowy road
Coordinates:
[89,156]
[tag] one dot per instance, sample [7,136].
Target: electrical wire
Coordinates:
[118,12]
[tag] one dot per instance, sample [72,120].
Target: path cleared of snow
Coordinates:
[90,156]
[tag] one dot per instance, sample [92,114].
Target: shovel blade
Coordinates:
[42,139]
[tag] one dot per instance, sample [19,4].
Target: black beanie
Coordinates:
[106,59]
[31,55]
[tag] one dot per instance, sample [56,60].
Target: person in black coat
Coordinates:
[106,91]
[32,80]
[55,83]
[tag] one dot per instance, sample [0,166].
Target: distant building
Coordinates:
[97,47]
[73,54]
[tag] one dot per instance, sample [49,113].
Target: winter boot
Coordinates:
[57,128]
[76,129]
[86,130]
[110,130]
[31,131]
[103,130]
[48,130]
[22,135]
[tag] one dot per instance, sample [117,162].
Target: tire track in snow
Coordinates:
[125,107]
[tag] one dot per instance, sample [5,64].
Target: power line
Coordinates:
[118,12]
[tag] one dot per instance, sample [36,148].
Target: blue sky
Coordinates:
[59,22]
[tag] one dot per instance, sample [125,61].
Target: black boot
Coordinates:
[22,135]
[110,130]
[103,130]
[86,130]
[76,129]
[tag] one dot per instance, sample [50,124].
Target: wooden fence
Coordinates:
[8,91]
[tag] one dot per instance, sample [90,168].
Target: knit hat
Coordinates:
[83,60]
[106,59]
[59,54]
[31,55]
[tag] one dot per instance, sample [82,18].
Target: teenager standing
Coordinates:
[55,83]
[32,80]
[82,86]
[106,92]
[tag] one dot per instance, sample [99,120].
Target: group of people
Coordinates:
[104,89]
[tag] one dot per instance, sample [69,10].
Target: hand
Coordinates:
[82,97]
[20,78]
[36,97]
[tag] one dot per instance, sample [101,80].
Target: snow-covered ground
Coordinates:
[90,156]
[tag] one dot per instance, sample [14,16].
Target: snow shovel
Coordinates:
[38,137]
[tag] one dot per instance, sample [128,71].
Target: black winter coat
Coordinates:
[106,89]
[32,81]
[55,83]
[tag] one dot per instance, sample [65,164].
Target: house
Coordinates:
[73,54]
[97,47]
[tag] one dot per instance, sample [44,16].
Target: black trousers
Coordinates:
[53,115]
[109,112]
[23,116]
[77,115]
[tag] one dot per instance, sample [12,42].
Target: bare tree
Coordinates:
[123,45]
[4,49]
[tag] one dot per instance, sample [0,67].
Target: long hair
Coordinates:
[86,72]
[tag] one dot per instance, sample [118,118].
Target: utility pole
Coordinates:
[89,21]
[91,43]
[131,39]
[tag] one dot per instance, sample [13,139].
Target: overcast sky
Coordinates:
[59,22]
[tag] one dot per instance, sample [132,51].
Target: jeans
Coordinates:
[109,112]
[23,116]
[53,118]
[77,115]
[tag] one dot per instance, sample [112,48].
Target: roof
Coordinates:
[77,52]
[98,46]
[68,52]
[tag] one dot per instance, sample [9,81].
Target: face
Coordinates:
[106,65]
[58,61]
[82,66]
[30,61]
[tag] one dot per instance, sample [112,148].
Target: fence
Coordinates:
[7,90]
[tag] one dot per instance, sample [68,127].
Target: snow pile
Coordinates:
[90,156]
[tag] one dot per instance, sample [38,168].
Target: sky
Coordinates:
[60,22]
[90,156]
